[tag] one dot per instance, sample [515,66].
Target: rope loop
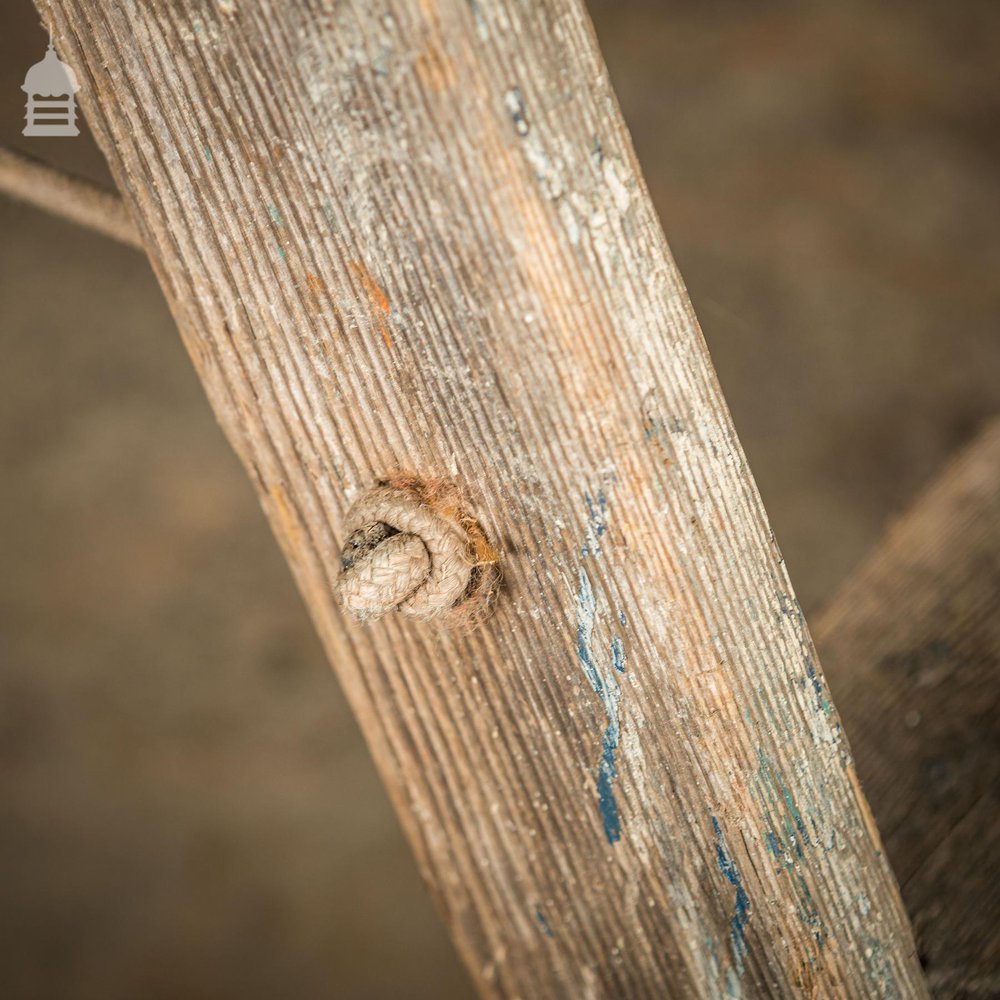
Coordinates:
[411,548]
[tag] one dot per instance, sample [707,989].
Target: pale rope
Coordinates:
[422,570]
[384,576]
[79,201]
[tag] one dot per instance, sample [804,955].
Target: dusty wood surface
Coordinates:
[418,240]
[912,647]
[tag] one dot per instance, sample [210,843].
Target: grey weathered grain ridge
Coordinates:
[912,643]
[414,237]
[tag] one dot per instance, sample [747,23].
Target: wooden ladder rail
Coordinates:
[414,236]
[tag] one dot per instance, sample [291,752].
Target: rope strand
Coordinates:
[68,197]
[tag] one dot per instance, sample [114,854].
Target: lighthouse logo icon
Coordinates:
[51,106]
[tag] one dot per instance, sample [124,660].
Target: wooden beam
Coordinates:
[912,648]
[414,236]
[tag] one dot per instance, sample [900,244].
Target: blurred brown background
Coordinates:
[186,806]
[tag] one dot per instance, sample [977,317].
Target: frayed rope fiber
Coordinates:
[412,548]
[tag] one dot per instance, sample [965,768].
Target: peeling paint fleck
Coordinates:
[543,923]
[790,608]
[378,300]
[779,795]
[607,689]
[597,523]
[515,105]
[741,910]
[786,838]
[880,972]
[618,654]
[482,28]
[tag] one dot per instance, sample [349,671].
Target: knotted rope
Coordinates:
[410,548]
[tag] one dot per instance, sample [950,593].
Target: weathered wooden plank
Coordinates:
[415,238]
[912,648]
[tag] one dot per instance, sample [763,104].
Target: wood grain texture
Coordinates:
[912,646]
[414,237]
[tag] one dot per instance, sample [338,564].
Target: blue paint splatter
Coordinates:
[786,840]
[773,844]
[791,609]
[606,773]
[597,523]
[621,618]
[540,917]
[515,105]
[275,215]
[778,794]
[208,154]
[618,654]
[606,688]
[822,702]
[737,926]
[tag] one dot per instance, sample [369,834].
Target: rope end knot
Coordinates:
[411,547]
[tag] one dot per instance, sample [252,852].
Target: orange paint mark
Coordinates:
[376,295]
[386,336]
[378,300]
[435,70]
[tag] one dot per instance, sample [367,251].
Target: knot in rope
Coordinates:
[410,549]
